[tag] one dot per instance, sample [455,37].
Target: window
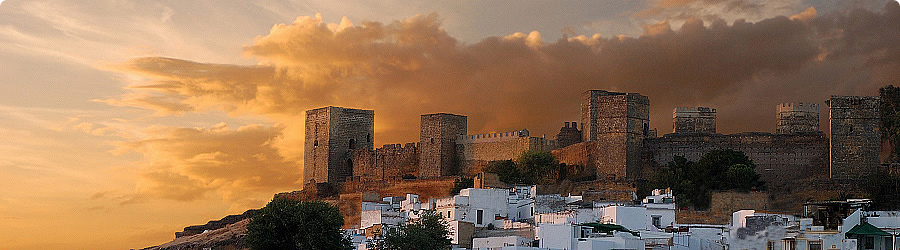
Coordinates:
[316,143]
[869,242]
[479,216]
[770,245]
[815,245]
[789,244]
[352,144]
[656,221]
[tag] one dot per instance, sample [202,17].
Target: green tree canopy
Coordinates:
[532,167]
[538,167]
[460,184]
[292,224]
[716,170]
[429,232]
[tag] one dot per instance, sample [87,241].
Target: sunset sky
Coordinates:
[123,121]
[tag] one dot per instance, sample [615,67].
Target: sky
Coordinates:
[124,121]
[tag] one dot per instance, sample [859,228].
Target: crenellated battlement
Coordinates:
[489,137]
[797,106]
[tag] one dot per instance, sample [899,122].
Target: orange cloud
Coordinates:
[410,67]
[188,163]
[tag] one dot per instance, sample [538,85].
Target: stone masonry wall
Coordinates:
[332,133]
[796,118]
[569,134]
[694,120]
[437,144]
[855,135]
[779,158]
[391,161]
[618,122]
[475,154]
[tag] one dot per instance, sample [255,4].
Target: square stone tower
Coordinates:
[437,144]
[694,120]
[618,123]
[855,136]
[332,133]
[797,118]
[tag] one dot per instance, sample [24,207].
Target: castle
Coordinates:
[614,141]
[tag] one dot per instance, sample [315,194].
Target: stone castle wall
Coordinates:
[476,151]
[855,135]
[569,134]
[796,118]
[694,120]
[391,161]
[332,133]
[779,158]
[579,154]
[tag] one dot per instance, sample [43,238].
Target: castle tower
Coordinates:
[855,136]
[617,122]
[694,120]
[569,134]
[437,143]
[332,133]
[796,118]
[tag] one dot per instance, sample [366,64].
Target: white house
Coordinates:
[481,207]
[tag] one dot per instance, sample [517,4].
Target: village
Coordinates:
[518,218]
[615,147]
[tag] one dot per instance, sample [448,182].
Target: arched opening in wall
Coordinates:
[368,138]
[316,143]
[352,144]
[349,167]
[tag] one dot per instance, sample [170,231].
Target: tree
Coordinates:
[716,170]
[429,232]
[532,167]
[292,224]
[506,171]
[884,190]
[460,184]
[537,167]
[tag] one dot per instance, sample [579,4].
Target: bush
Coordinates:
[460,184]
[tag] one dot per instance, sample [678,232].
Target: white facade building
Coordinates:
[481,207]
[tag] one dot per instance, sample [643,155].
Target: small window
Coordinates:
[368,138]
[815,245]
[316,143]
[432,140]
[352,144]
[479,217]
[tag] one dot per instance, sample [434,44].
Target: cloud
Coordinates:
[410,67]
[679,11]
[185,164]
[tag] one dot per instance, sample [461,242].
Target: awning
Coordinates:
[608,228]
[866,229]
